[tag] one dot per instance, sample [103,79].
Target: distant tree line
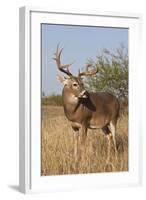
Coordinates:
[53,100]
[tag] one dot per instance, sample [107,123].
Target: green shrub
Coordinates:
[113,72]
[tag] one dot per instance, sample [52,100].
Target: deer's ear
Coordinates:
[62,79]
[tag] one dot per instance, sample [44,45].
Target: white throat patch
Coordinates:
[72,99]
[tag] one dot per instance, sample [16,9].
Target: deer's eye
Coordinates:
[75,84]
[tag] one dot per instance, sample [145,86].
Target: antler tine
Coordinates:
[60,66]
[87,72]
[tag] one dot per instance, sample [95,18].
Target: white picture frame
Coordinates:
[29,160]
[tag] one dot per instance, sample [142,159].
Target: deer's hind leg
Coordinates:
[113,132]
[107,132]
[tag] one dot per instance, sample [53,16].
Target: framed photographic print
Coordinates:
[79,113]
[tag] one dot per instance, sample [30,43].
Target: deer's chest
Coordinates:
[77,114]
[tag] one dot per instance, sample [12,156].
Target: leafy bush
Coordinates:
[113,72]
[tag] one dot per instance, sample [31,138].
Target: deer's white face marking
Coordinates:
[75,86]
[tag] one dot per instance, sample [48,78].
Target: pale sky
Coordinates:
[80,43]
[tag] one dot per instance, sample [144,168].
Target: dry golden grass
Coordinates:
[57,155]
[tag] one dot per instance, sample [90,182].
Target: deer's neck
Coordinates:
[71,104]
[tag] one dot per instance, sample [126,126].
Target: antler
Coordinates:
[60,66]
[87,72]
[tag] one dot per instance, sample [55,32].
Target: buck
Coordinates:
[87,110]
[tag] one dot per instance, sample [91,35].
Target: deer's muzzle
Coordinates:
[83,94]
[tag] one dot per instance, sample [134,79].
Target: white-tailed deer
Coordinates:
[87,110]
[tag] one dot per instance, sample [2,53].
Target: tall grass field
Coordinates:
[57,148]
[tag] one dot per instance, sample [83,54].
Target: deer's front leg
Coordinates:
[76,141]
[80,134]
[82,139]
[76,128]
[83,135]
